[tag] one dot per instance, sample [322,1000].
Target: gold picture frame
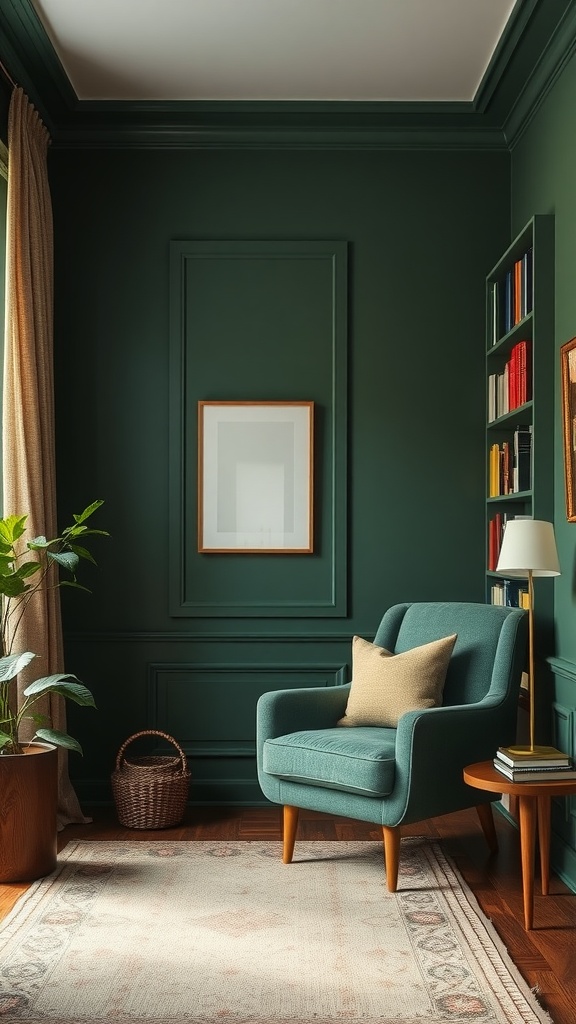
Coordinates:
[568,367]
[255,477]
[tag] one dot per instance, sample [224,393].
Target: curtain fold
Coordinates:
[29,462]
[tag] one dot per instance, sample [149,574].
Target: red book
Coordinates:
[492,556]
[499,532]
[513,401]
[523,372]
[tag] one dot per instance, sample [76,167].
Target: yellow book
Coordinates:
[494,471]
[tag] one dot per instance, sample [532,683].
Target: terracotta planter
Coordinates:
[28,807]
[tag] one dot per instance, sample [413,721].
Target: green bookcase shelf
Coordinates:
[536,327]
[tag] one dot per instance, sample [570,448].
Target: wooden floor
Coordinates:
[545,956]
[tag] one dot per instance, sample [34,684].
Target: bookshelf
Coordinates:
[520,402]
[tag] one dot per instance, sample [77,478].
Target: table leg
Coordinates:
[544,804]
[527,821]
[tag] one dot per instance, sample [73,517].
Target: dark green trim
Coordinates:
[563,861]
[550,65]
[203,792]
[33,63]
[507,47]
[330,544]
[303,636]
[470,136]
[561,667]
[206,688]
[537,43]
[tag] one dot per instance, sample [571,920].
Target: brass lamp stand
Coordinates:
[528,550]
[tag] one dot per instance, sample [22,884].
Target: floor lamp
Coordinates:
[528,549]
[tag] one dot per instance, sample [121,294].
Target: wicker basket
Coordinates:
[150,791]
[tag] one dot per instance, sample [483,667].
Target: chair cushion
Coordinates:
[385,685]
[355,760]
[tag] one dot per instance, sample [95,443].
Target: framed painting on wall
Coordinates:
[568,366]
[255,477]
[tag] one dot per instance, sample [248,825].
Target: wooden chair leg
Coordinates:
[391,836]
[290,826]
[486,817]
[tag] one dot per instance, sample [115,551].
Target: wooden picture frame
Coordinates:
[255,477]
[568,368]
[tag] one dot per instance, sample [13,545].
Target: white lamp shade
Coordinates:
[528,545]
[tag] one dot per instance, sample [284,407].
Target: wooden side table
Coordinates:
[533,804]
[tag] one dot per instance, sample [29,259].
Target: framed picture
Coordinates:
[255,476]
[568,363]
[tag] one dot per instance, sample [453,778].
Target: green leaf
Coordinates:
[82,553]
[38,544]
[12,586]
[12,664]
[66,685]
[60,739]
[27,569]
[4,739]
[12,528]
[74,531]
[66,559]
[88,511]
[74,584]
[38,719]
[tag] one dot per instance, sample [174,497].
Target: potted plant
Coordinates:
[28,784]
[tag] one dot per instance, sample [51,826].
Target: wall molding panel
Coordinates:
[212,711]
[212,708]
[275,314]
[563,668]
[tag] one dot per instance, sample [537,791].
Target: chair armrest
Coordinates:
[432,748]
[458,734]
[314,707]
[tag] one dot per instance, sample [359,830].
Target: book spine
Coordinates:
[508,302]
[518,303]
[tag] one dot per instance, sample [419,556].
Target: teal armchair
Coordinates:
[396,776]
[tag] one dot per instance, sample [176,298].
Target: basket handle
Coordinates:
[151,732]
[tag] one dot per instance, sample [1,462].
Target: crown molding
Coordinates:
[550,65]
[502,58]
[172,130]
[539,40]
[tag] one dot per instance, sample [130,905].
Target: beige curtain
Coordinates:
[28,415]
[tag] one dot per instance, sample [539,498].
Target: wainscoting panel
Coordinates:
[563,848]
[259,321]
[211,710]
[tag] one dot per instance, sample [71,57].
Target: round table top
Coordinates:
[484,775]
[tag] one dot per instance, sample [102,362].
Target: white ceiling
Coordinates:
[363,50]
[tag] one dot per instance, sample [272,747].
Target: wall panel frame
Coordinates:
[274,313]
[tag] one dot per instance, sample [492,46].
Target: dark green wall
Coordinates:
[543,176]
[423,229]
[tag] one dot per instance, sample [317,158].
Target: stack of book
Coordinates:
[537,766]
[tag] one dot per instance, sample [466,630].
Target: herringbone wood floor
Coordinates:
[546,956]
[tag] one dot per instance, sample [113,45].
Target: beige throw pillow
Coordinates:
[385,686]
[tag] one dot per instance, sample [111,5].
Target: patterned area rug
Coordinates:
[198,932]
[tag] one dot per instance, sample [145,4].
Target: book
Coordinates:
[494,471]
[517,291]
[527,279]
[506,460]
[508,302]
[544,757]
[522,459]
[495,311]
[524,378]
[534,774]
